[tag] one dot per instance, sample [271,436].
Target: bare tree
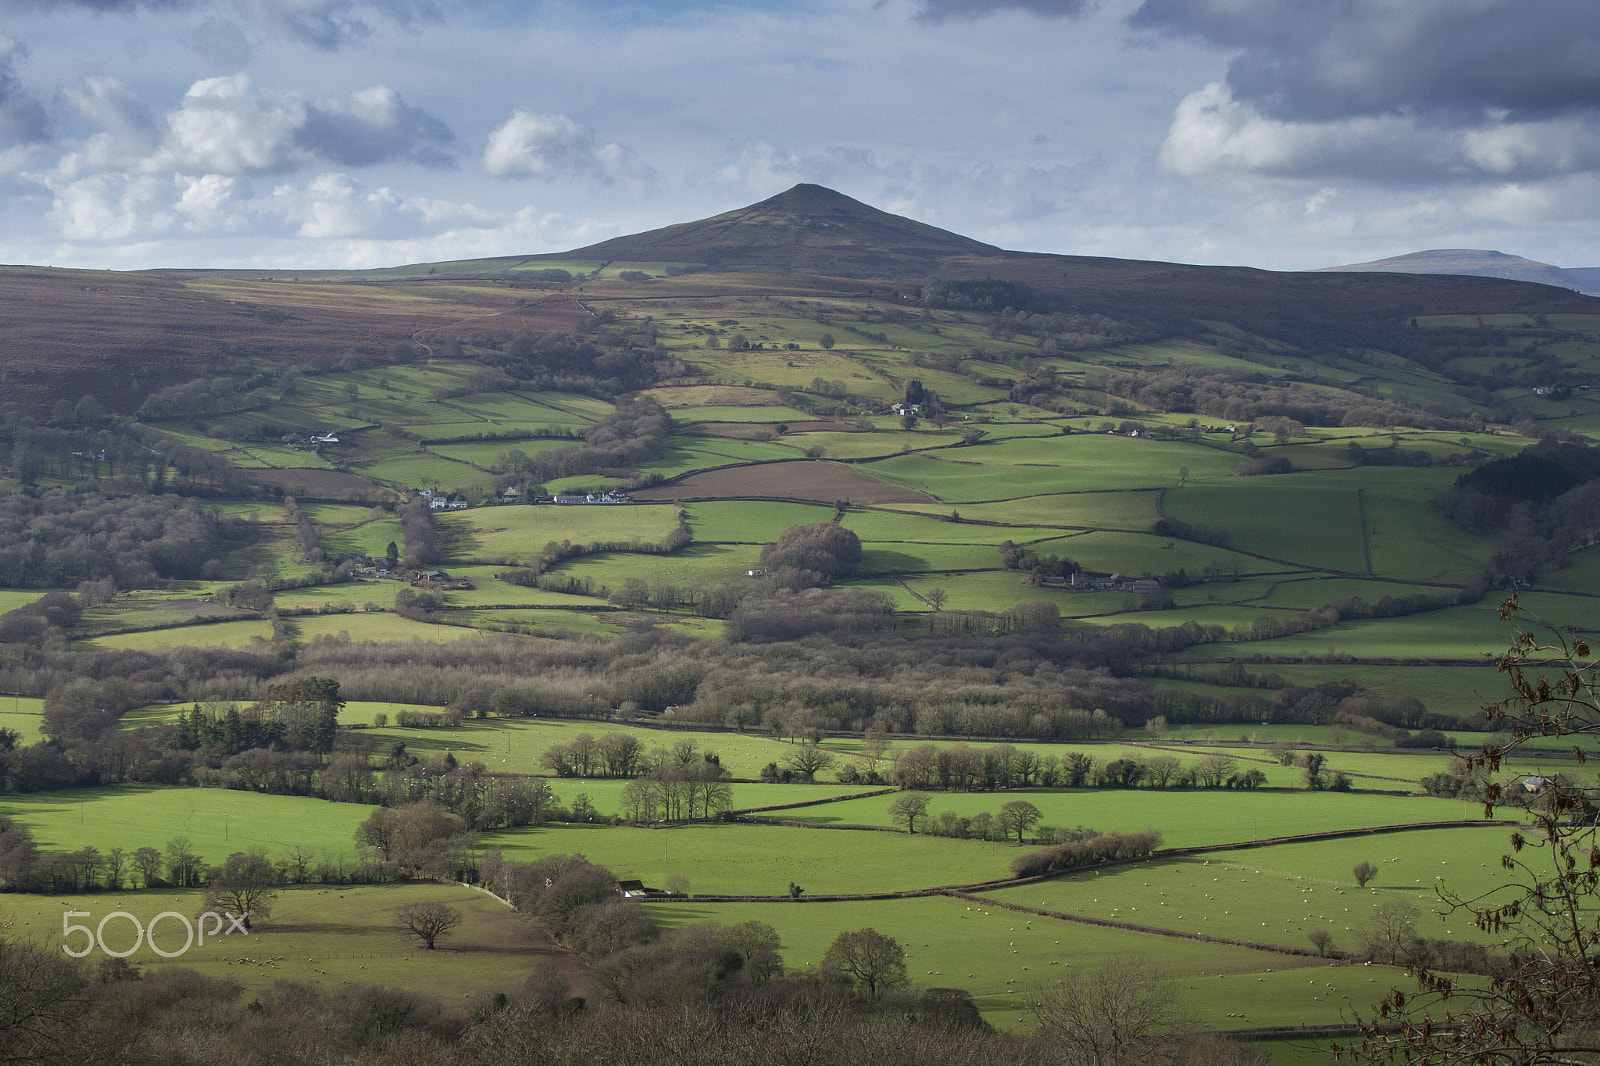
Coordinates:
[42,998]
[1363,872]
[1118,1012]
[809,759]
[1543,1005]
[245,885]
[427,921]
[875,962]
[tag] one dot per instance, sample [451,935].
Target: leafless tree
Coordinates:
[1120,1011]
[427,921]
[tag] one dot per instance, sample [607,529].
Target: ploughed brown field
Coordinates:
[322,484]
[801,479]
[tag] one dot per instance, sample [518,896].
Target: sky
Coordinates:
[356,133]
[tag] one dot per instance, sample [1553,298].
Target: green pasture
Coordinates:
[1308,593]
[885,525]
[520,533]
[696,564]
[1133,554]
[728,858]
[691,414]
[1468,633]
[136,611]
[1455,690]
[381,627]
[547,622]
[216,821]
[749,522]
[879,557]
[208,635]
[688,454]
[1036,466]
[22,715]
[1185,817]
[1280,894]
[999,955]
[323,936]
[371,538]
[522,740]
[1282,516]
[424,469]
[997,589]
[1094,510]
[486,454]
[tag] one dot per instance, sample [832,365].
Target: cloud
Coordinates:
[376,126]
[325,24]
[23,119]
[1455,60]
[338,206]
[126,131]
[111,207]
[225,126]
[967,10]
[550,146]
[1212,131]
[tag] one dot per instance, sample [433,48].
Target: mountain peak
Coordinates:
[807,229]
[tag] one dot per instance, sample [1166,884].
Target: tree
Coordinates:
[826,340]
[43,997]
[244,886]
[907,808]
[874,746]
[1364,872]
[1320,939]
[876,963]
[183,863]
[808,760]
[147,861]
[426,921]
[1314,761]
[1018,817]
[1541,1004]
[1115,1013]
[825,548]
[936,597]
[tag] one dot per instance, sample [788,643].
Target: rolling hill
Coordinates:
[1482,263]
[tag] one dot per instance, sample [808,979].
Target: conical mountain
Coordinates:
[806,230]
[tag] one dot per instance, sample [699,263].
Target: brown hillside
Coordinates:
[65,333]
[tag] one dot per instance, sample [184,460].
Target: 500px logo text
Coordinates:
[95,937]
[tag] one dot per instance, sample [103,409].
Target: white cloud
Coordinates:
[224,126]
[111,207]
[551,146]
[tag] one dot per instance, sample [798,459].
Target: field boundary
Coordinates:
[1132,927]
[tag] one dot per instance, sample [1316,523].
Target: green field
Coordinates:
[216,821]
[317,935]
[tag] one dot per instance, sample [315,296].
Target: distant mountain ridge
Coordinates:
[1482,263]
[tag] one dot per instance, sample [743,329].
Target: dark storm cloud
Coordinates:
[966,10]
[325,24]
[376,126]
[23,119]
[1445,58]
